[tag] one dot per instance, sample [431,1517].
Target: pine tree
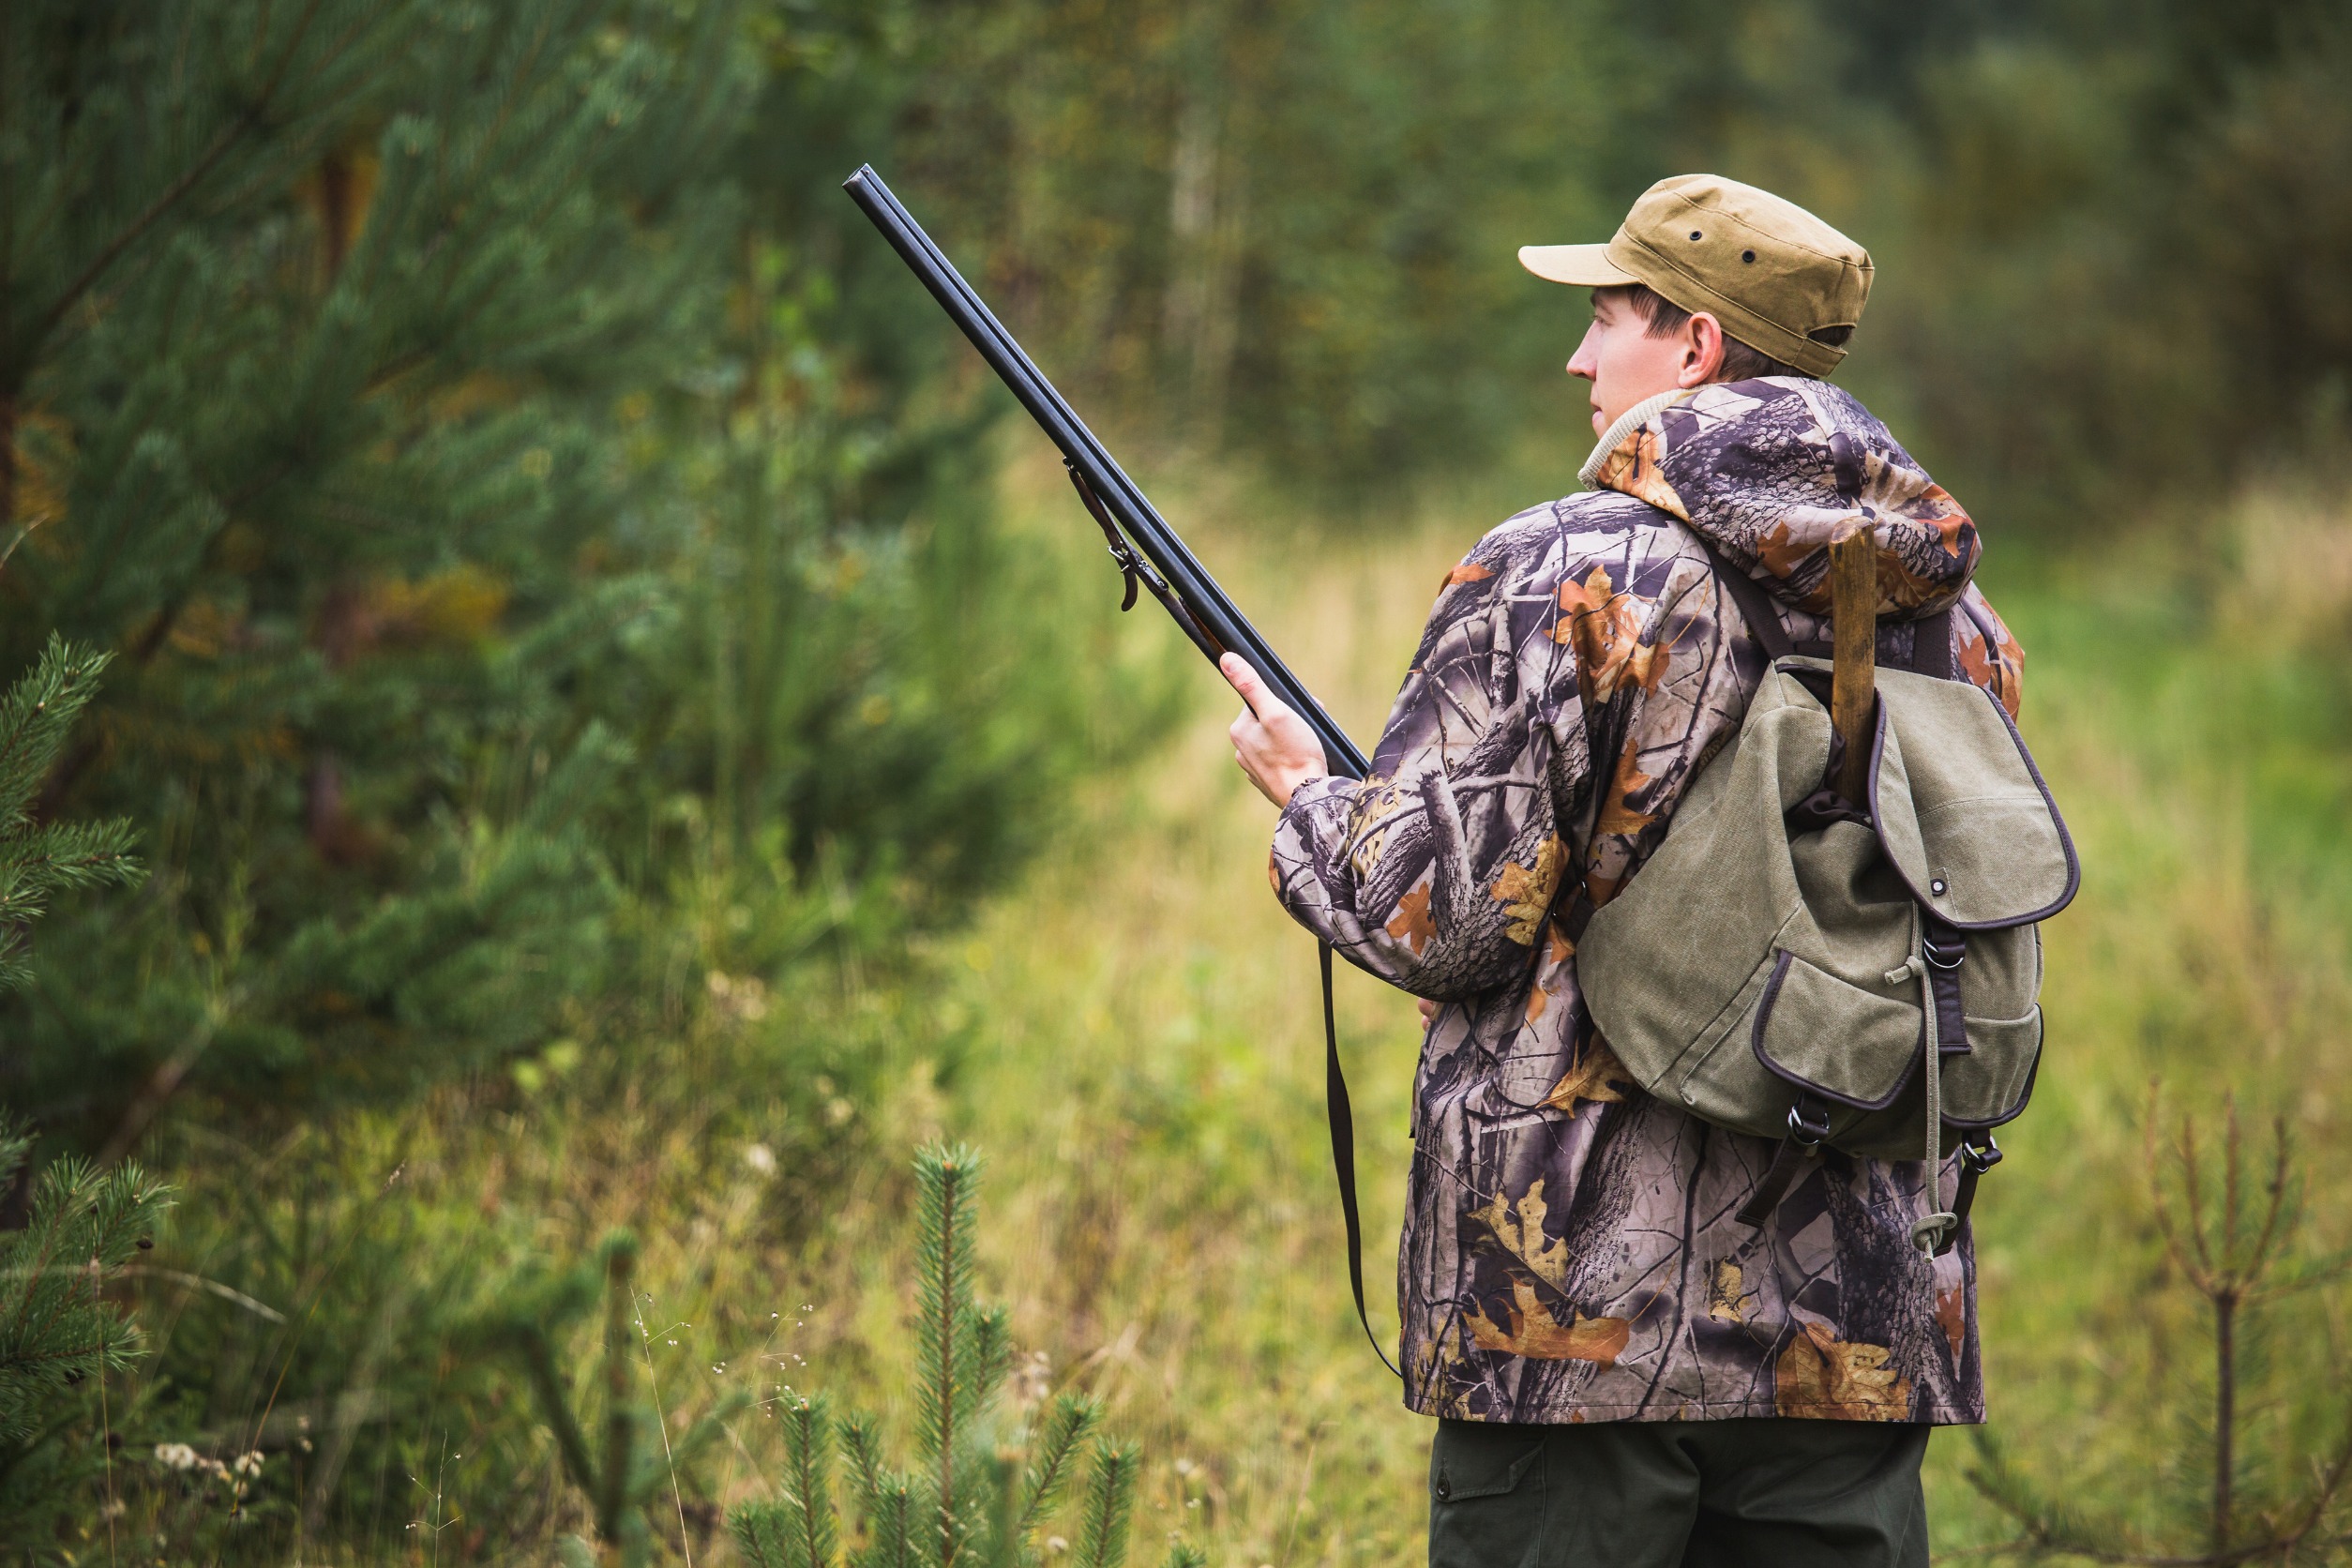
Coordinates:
[60,1335]
[512,491]
[982,1485]
[625,1465]
[315,314]
[544,558]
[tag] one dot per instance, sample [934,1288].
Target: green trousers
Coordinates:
[1759,1493]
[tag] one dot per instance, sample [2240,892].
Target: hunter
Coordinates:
[1623,1373]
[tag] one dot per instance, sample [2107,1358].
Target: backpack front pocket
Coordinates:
[1833,1038]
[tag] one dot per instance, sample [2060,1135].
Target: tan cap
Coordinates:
[1770,271]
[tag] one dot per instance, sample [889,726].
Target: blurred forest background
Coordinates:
[621,728]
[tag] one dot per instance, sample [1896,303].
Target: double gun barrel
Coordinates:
[1139,540]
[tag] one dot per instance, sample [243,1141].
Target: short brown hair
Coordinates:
[1661,316]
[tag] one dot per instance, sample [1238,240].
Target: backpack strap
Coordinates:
[1979,1153]
[1931,646]
[1808,1125]
[1755,606]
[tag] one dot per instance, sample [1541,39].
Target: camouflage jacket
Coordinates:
[1570,1251]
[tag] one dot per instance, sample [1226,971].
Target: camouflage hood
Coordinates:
[1771,472]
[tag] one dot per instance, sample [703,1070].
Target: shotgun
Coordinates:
[1146,548]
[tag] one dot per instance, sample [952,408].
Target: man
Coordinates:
[1622,1372]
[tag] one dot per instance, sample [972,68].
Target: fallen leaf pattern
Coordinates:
[1526,891]
[1529,1329]
[1411,924]
[1820,1377]
[1569,1250]
[1599,1079]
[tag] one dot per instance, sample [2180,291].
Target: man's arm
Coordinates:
[1435,873]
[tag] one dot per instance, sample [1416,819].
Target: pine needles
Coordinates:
[59,1334]
[39,859]
[981,1486]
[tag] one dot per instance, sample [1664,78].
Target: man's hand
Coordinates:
[1273,745]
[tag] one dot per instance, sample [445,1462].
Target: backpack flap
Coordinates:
[1962,809]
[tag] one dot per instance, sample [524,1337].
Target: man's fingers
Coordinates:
[1263,703]
[1243,679]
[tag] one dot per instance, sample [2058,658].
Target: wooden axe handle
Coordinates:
[1854,622]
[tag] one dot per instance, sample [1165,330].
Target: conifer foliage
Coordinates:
[983,1483]
[311,312]
[60,1332]
[39,859]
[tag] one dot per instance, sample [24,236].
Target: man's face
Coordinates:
[1625,364]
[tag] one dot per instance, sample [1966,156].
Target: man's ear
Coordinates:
[1702,351]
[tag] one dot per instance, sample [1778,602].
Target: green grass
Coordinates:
[1132,1037]
[1144,1067]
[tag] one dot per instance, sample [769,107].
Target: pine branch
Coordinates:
[1103,1534]
[760,1533]
[984,1340]
[1051,1460]
[555,1406]
[866,1471]
[36,714]
[892,1528]
[170,196]
[808,1471]
[75,855]
[56,1326]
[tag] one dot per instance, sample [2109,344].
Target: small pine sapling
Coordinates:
[2230,1226]
[981,1486]
[59,1334]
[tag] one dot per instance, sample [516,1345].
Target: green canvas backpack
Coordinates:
[1788,966]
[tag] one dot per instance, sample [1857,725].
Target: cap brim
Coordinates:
[1586,266]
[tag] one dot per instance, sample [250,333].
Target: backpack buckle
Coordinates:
[1980,1160]
[1808,1132]
[1942,956]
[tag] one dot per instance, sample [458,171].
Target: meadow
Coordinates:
[1138,1053]
[625,731]
[1129,1034]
